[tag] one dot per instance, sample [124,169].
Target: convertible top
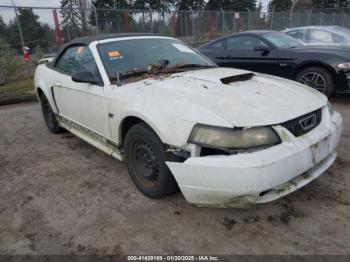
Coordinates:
[86,40]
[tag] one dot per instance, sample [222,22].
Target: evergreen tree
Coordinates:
[188,4]
[330,3]
[109,18]
[73,18]
[153,4]
[32,30]
[236,5]
[280,5]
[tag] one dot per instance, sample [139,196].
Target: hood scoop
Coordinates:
[241,77]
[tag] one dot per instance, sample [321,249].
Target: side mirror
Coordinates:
[262,48]
[85,77]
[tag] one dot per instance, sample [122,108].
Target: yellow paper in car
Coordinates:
[114,54]
[80,50]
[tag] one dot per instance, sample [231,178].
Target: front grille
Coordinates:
[303,124]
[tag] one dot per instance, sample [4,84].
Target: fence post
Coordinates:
[223,21]
[174,24]
[210,25]
[126,21]
[273,10]
[309,14]
[193,25]
[290,18]
[248,18]
[59,39]
[343,17]
[321,20]
[150,18]
[333,18]
[18,25]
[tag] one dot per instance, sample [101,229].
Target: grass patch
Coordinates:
[17,88]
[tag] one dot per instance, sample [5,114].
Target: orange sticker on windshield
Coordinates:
[80,50]
[113,54]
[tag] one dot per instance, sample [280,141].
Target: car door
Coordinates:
[251,53]
[82,103]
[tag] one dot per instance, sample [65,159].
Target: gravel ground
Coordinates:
[59,195]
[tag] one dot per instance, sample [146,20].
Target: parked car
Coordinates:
[321,35]
[226,137]
[324,68]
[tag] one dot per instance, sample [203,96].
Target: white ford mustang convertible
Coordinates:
[224,137]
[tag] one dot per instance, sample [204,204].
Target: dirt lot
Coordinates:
[60,195]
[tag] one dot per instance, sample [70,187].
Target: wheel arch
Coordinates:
[128,122]
[316,64]
[39,91]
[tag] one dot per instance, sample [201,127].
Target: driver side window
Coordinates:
[244,43]
[77,59]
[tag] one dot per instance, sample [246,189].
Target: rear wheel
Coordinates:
[145,158]
[318,78]
[49,116]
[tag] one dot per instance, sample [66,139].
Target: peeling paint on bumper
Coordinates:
[261,176]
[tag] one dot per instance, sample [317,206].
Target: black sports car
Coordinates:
[325,68]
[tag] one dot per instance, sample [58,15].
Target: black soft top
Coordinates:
[86,40]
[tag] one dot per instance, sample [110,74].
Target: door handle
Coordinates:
[58,84]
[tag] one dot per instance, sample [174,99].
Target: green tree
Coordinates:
[188,4]
[236,5]
[32,30]
[110,19]
[280,5]
[153,4]
[330,3]
[73,18]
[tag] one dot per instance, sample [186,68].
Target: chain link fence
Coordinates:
[28,34]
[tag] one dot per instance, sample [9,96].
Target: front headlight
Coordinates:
[233,139]
[345,65]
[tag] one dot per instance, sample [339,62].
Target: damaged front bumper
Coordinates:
[262,176]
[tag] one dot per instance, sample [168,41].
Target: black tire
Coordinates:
[49,116]
[317,77]
[145,158]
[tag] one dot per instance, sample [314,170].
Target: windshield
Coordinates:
[144,55]
[281,40]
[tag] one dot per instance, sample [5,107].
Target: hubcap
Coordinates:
[314,80]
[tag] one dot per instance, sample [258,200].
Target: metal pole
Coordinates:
[96,18]
[193,24]
[273,10]
[150,17]
[309,17]
[248,18]
[181,24]
[290,18]
[223,21]
[18,25]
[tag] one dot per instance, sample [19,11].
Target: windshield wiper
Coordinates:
[130,73]
[194,66]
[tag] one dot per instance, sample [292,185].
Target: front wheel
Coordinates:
[49,116]
[145,158]
[318,78]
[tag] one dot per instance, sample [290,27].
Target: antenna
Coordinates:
[118,81]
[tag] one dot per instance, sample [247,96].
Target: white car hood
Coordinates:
[261,100]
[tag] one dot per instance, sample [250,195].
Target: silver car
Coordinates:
[321,35]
